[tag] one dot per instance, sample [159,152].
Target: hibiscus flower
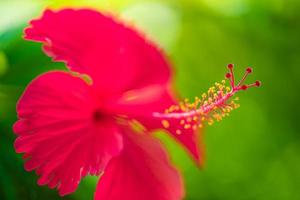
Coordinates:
[96,117]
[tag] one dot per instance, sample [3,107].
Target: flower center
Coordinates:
[98,116]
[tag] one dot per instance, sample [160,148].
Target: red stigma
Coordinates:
[258,83]
[230,66]
[228,75]
[249,70]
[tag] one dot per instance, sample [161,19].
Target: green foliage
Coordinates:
[253,154]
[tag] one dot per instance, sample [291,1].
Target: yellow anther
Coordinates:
[187,126]
[182,122]
[200,125]
[196,104]
[195,118]
[165,123]
[191,105]
[221,87]
[189,119]
[178,132]
[176,108]
[210,122]
[217,116]
[183,108]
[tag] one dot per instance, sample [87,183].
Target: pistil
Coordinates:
[213,105]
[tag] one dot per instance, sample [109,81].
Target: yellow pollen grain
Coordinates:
[182,122]
[182,107]
[200,125]
[218,117]
[165,123]
[195,118]
[210,123]
[187,126]
[192,105]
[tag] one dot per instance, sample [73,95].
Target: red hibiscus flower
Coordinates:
[69,126]
[95,118]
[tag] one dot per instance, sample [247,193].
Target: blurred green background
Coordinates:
[253,154]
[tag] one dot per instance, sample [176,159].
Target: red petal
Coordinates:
[115,56]
[141,171]
[57,132]
[141,105]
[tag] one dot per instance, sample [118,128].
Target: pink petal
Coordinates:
[141,172]
[114,55]
[141,104]
[57,133]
